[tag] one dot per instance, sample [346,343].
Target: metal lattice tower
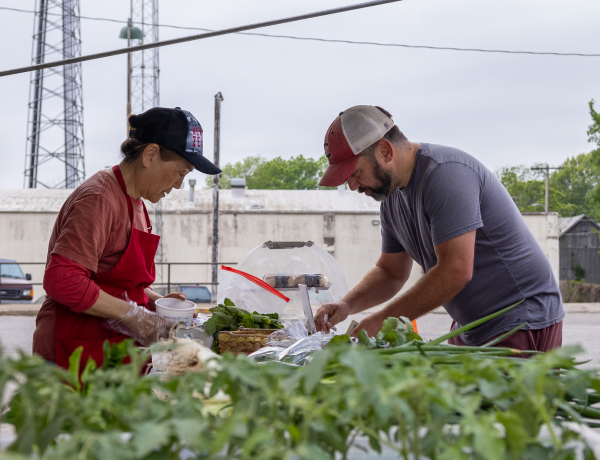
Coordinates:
[145,89]
[144,64]
[55,151]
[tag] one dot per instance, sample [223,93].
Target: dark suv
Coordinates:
[14,286]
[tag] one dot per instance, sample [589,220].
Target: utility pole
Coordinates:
[215,212]
[546,170]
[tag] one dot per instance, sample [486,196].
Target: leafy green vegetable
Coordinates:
[228,317]
[405,405]
[364,339]
[339,339]
[413,401]
[394,332]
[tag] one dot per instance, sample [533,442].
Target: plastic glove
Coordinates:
[141,324]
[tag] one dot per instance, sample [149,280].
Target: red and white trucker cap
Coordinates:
[350,133]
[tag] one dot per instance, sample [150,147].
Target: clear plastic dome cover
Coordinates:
[292,260]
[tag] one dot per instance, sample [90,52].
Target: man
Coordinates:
[443,209]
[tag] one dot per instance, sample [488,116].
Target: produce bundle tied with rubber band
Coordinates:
[279,281]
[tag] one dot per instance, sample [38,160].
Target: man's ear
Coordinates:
[150,155]
[385,150]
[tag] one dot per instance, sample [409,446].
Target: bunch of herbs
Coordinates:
[228,317]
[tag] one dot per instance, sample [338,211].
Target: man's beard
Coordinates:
[383,190]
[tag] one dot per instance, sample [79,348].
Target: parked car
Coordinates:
[196,293]
[14,286]
[193,292]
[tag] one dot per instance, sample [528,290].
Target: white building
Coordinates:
[345,223]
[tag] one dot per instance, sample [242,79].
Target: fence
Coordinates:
[167,283]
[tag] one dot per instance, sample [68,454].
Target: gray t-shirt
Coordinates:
[449,194]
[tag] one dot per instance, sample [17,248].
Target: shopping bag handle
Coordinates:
[257,281]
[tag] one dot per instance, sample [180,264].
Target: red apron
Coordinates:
[132,274]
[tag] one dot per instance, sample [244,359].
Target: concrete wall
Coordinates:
[187,237]
[352,237]
[544,227]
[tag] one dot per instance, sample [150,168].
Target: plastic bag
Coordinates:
[301,353]
[301,346]
[294,331]
[294,259]
[249,292]
[265,354]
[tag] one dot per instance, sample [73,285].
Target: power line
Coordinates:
[58,14]
[190,38]
[351,42]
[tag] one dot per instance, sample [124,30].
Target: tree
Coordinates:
[578,182]
[243,168]
[594,129]
[574,190]
[527,187]
[297,173]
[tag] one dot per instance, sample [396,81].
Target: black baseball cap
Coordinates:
[177,130]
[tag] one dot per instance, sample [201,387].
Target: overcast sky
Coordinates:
[281,95]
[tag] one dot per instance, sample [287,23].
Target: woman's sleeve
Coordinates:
[86,231]
[69,284]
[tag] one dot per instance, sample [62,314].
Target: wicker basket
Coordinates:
[243,341]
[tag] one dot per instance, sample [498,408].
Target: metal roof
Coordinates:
[567,223]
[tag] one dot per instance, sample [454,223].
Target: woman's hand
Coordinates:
[153,297]
[143,325]
[176,295]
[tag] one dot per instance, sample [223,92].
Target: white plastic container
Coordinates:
[176,310]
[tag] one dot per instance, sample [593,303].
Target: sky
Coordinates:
[280,95]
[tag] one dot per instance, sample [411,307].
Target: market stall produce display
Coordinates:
[227,317]
[282,266]
[408,400]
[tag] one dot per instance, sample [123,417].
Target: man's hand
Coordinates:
[336,313]
[371,324]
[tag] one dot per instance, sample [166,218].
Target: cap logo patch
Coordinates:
[327,154]
[195,136]
[385,123]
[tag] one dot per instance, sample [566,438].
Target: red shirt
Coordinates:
[91,234]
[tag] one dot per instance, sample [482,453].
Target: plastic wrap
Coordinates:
[249,292]
[289,335]
[266,354]
[294,344]
[301,353]
[297,261]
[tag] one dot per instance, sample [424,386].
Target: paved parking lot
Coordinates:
[579,328]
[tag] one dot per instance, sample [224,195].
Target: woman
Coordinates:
[100,264]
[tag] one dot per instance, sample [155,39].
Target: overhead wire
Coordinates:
[329,40]
[189,38]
